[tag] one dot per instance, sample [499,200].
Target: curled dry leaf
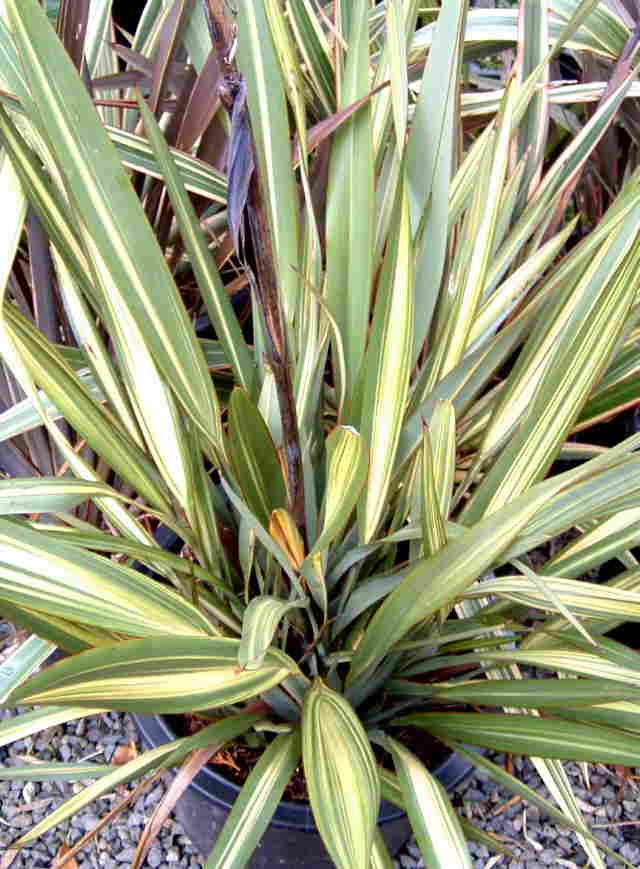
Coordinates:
[62,852]
[124,753]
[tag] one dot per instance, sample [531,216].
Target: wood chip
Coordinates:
[512,802]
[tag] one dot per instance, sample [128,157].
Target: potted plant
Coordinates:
[357,505]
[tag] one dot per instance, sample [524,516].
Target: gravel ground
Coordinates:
[612,807]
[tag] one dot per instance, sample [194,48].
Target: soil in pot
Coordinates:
[235,762]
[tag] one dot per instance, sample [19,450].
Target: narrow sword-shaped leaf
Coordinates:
[22,662]
[342,777]
[524,734]
[170,674]
[347,465]
[137,287]
[433,819]
[55,771]
[259,65]
[350,204]
[214,295]
[52,576]
[537,693]
[260,621]
[47,494]
[256,803]
[573,365]
[430,160]
[437,580]
[28,723]
[387,370]
[254,458]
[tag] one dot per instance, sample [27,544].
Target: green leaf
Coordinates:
[342,777]
[198,177]
[214,295]
[255,804]
[147,319]
[442,436]
[578,348]
[54,577]
[259,65]
[54,771]
[16,667]
[350,204]
[261,619]
[67,392]
[433,819]
[347,467]
[525,734]
[47,494]
[434,535]
[28,723]
[387,370]
[254,458]
[581,598]
[164,675]
[430,160]
[475,252]
[438,580]
[397,60]
[313,45]
[536,693]
[533,47]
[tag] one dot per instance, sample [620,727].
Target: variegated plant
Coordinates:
[425,337]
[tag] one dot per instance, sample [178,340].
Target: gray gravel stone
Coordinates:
[154,857]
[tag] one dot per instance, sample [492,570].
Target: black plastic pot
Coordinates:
[292,839]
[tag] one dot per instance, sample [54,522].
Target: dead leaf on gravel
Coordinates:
[8,858]
[124,753]
[64,849]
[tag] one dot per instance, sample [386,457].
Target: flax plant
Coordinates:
[356,469]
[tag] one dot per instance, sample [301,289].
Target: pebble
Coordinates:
[154,857]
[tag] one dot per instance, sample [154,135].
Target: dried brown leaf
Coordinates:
[185,775]
[125,753]
[64,850]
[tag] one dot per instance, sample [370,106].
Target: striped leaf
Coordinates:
[525,734]
[259,65]
[342,777]
[350,203]
[55,577]
[433,819]
[346,464]
[170,674]
[439,579]
[126,259]
[256,803]
[254,458]
[260,622]
[387,370]
[17,666]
